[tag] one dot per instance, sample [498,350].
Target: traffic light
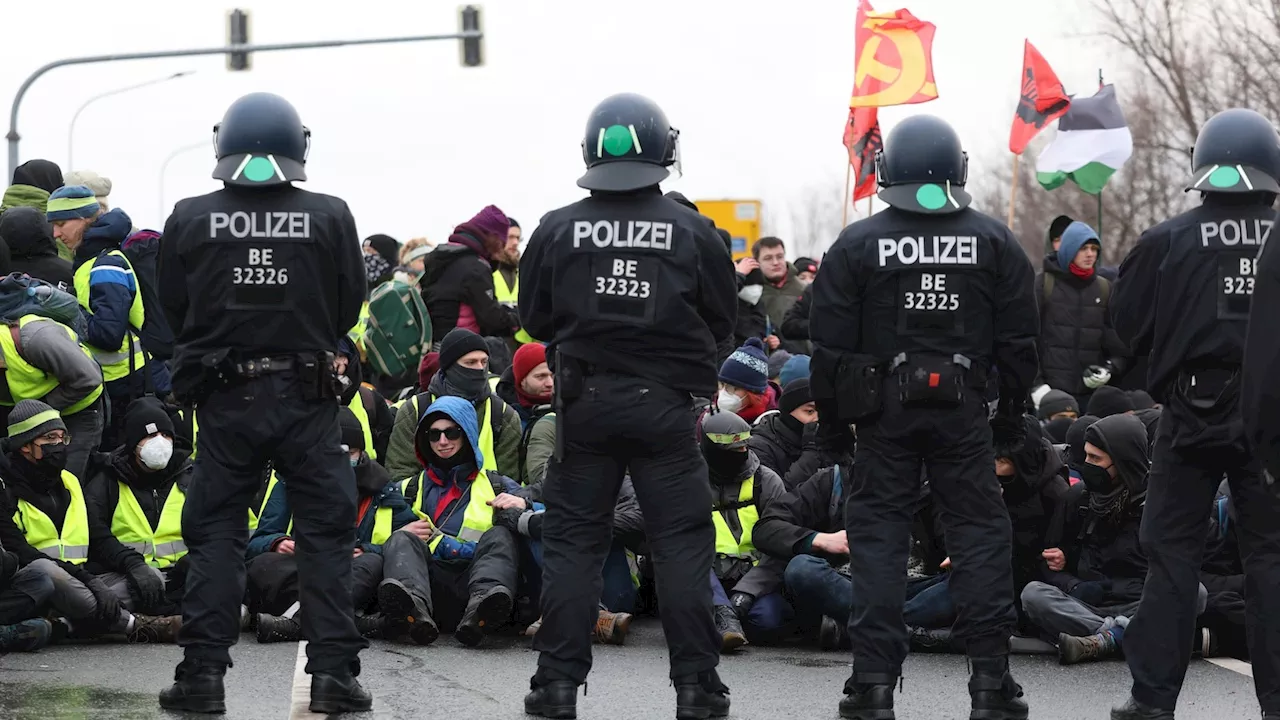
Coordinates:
[238,34]
[472,48]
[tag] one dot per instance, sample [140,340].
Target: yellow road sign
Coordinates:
[740,218]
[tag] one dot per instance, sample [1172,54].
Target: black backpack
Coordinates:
[142,249]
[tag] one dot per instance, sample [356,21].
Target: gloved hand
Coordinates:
[1038,394]
[107,602]
[741,603]
[1007,429]
[1095,376]
[146,585]
[1092,592]
[508,518]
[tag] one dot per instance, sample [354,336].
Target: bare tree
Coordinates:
[811,220]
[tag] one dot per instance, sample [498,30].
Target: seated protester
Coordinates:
[794,369]
[744,383]
[1223,623]
[1075,445]
[777,360]
[795,324]
[1142,400]
[778,436]
[1107,401]
[527,384]
[46,524]
[752,321]
[1057,429]
[454,567]
[24,593]
[1056,404]
[273,569]
[1150,417]
[744,588]
[1093,586]
[463,373]
[135,497]
[369,406]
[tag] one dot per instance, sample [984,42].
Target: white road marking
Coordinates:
[300,707]
[1234,665]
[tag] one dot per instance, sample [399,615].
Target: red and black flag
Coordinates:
[1043,99]
[863,140]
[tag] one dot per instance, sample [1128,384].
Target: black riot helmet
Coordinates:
[261,141]
[628,145]
[1237,151]
[922,167]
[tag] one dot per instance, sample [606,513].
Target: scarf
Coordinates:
[1080,272]
[375,266]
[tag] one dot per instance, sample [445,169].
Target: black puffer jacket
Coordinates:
[1075,330]
[795,325]
[1033,496]
[454,276]
[151,490]
[777,440]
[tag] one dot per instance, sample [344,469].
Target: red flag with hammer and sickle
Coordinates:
[863,140]
[894,59]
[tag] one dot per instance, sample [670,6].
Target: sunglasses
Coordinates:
[453,433]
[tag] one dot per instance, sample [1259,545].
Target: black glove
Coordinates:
[146,585]
[107,602]
[741,603]
[1007,429]
[508,518]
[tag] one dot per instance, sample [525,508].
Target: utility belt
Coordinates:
[314,371]
[1203,409]
[921,380]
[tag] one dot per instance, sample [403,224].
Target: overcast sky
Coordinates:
[416,143]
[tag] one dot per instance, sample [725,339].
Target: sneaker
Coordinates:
[272,629]
[532,629]
[149,629]
[26,636]
[484,614]
[1134,710]
[611,628]
[730,628]
[1073,650]
[932,640]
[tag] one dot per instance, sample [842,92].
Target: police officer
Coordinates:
[912,308]
[260,281]
[633,291]
[1183,298]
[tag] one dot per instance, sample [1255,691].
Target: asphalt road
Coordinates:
[446,680]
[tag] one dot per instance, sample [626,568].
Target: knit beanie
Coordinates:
[352,430]
[30,419]
[1054,402]
[747,367]
[804,264]
[1141,399]
[795,394]
[1107,401]
[493,221]
[143,417]
[528,357]
[459,342]
[795,368]
[512,222]
[387,247]
[777,360]
[1058,428]
[100,186]
[427,369]
[70,202]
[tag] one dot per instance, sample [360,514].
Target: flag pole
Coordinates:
[844,212]
[871,205]
[1100,191]
[1013,191]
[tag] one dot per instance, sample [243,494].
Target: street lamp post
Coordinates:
[71,131]
[164,167]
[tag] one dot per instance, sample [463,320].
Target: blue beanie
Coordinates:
[1076,236]
[747,367]
[797,367]
[70,202]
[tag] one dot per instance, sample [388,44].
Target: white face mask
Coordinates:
[156,452]
[751,294]
[728,402]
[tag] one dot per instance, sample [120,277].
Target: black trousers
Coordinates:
[273,581]
[955,447]
[622,423]
[25,597]
[1180,491]
[241,428]
[446,587]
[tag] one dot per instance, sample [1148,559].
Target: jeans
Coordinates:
[769,612]
[25,597]
[818,589]
[619,591]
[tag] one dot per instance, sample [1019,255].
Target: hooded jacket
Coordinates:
[765,577]
[402,459]
[1034,496]
[151,490]
[777,440]
[457,287]
[814,506]
[110,294]
[32,249]
[51,498]
[795,325]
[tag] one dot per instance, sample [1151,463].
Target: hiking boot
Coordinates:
[832,635]
[369,626]
[932,640]
[333,693]
[701,696]
[484,613]
[197,687]
[863,701]
[405,615]
[1073,649]
[611,628]
[730,628]
[272,629]
[26,636]
[1134,710]
[150,629]
[551,695]
[994,694]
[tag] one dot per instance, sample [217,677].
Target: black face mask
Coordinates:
[725,465]
[367,483]
[467,383]
[1096,479]
[53,462]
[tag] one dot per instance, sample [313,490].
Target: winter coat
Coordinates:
[1033,501]
[457,286]
[795,325]
[777,300]
[20,483]
[765,577]
[402,461]
[1075,331]
[32,249]
[776,442]
[815,506]
[110,294]
[49,346]
[151,490]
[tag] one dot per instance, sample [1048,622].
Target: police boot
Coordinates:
[832,635]
[26,636]
[701,696]
[611,628]
[272,629]
[868,697]
[484,613]
[993,691]
[730,628]
[197,688]
[338,692]
[405,615]
[149,629]
[1134,710]
[1073,649]
[551,695]
[369,626]
[926,640]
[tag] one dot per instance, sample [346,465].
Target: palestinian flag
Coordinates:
[1093,141]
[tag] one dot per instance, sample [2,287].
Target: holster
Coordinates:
[928,380]
[570,384]
[317,377]
[859,384]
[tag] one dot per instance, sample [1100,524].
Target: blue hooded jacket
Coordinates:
[462,476]
[1074,238]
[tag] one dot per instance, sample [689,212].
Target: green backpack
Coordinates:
[399,329]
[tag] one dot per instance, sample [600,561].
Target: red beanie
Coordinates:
[427,369]
[528,357]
